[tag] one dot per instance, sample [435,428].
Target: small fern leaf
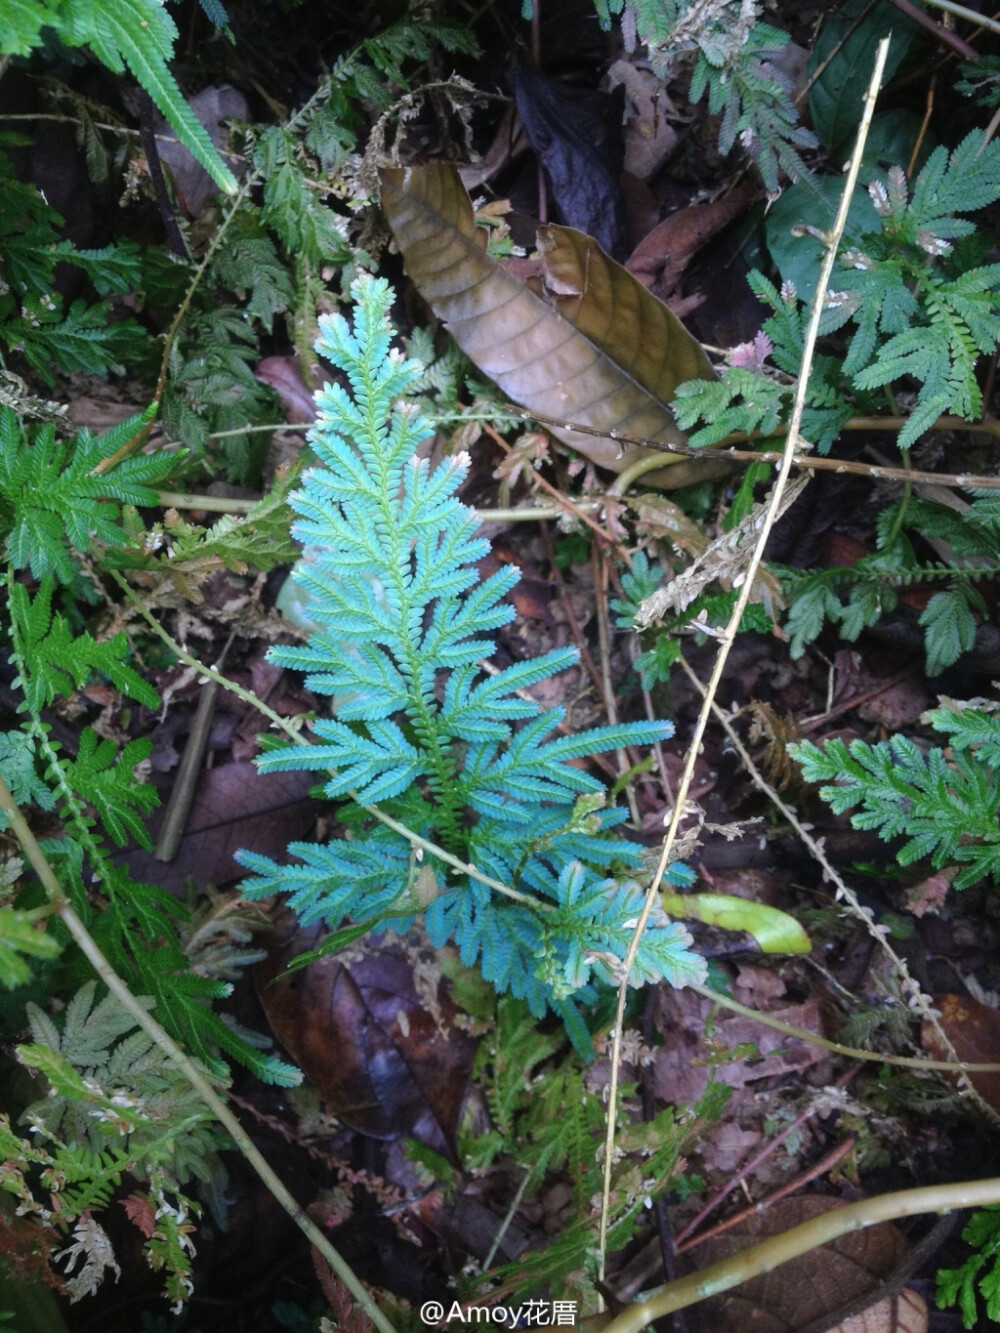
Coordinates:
[949,628]
[56,661]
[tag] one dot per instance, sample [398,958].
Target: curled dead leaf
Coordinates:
[596,348]
[661,257]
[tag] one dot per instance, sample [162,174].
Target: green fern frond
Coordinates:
[18,765]
[743,400]
[52,504]
[247,263]
[20,939]
[979,1275]
[734,64]
[137,927]
[55,660]
[970,729]
[140,35]
[754,101]
[33,323]
[114,1107]
[944,812]
[103,776]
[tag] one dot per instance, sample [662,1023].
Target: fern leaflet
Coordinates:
[52,504]
[945,810]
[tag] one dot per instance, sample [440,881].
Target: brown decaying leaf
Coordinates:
[284,375]
[929,894]
[373,1031]
[599,349]
[649,136]
[814,1285]
[347,1317]
[974,1031]
[893,703]
[658,517]
[682,1067]
[141,1211]
[213,106]
[234,806]
[660,258]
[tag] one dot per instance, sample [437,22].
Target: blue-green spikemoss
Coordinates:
[459,756]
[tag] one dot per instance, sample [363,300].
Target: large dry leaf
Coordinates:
[974,1031]
[234,806]
[596,349]
[798,1294]
[373,1029]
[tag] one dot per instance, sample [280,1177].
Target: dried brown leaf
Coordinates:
[141,1212]
[597,349]
[974,1031]
[373,1031]
[657,516]
[649,136]
[284,375]
[234,806]
[905,1313]
[666,251]
[801,1292]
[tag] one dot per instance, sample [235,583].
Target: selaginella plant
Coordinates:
[537,888]
[944,803]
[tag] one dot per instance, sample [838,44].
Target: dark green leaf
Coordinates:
[848,40]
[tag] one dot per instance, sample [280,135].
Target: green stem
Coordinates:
[211,504]
[194,1075]
[222,504]
[904,504]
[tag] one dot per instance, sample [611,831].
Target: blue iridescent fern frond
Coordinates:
[458,755]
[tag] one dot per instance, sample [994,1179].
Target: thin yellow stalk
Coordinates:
[792,444]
